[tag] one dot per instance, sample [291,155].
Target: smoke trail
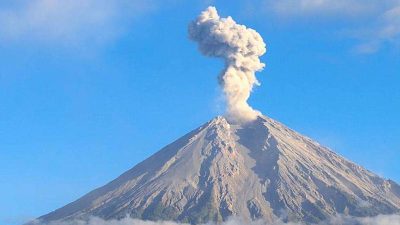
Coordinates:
[241,48]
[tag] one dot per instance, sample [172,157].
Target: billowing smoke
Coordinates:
[241,48]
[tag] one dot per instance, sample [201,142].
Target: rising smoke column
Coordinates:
[241,48]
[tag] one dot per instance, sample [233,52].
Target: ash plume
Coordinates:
[240,47]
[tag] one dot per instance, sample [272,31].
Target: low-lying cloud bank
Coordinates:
[339,220]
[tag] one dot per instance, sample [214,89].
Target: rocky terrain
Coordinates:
[260,170]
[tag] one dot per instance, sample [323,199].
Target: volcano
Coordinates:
[258,170]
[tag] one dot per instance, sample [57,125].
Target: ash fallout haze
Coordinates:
[90,90]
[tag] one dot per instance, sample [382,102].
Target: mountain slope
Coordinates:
[261,170]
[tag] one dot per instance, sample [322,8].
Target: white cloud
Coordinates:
[386,30]
[325,8]
[392,17]
[391,27]
[68,21]
[342,220]
[381,220]
[379,20]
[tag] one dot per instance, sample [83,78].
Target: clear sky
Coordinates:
[90,88]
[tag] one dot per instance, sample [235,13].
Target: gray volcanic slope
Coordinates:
[261,170]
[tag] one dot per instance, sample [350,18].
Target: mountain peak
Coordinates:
[220,122]
[219,119]
[257,170]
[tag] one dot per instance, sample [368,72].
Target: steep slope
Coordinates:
[261,170]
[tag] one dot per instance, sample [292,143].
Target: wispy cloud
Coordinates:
[387,30]
[329,8]
[381,22]
[68,21]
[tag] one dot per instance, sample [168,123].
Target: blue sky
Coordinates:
[88,90]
